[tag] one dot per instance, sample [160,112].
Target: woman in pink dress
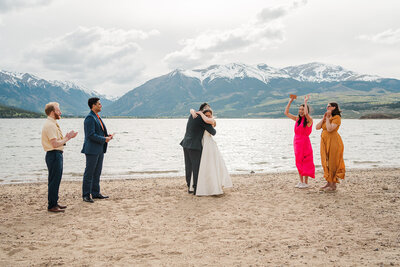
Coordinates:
[302,145]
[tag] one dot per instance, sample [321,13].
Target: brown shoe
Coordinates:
[56,209]
[62,207]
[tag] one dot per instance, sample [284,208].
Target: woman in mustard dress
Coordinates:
[331,147]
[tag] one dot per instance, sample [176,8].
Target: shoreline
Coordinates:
[262,220]
[289,172]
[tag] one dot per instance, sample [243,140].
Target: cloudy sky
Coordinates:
[114,46]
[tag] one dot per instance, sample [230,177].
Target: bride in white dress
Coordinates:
[213,174]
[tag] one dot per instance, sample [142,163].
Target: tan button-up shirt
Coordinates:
[51,130]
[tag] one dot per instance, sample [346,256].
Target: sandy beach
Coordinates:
[262,221]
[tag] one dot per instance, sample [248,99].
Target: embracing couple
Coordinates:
[206,172]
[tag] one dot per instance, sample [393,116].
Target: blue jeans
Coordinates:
[91,177]
[54,162]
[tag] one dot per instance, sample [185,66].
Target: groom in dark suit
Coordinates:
[192,147]
[94,147]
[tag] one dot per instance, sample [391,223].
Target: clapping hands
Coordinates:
[71,134]
[327,115]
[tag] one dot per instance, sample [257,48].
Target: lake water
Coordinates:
[146,148]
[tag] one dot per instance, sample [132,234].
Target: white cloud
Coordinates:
[93,56]
[389,36]
[270,14]
[9,5]
[261,33]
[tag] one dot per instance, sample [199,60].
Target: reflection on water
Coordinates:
[145,148]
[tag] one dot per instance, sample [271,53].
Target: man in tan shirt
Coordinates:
[53,143]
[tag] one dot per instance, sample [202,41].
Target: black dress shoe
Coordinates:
[88,199]
[100,196]
[190,192]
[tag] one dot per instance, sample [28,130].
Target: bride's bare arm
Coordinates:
[193,112]
[207,119]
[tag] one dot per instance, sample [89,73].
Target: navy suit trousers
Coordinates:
[54,162]
[91,177]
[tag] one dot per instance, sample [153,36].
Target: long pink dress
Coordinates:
[303,150]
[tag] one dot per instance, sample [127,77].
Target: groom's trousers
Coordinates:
[192,165]
[91,176]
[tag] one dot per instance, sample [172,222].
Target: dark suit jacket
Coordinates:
[95,137]
[194,133]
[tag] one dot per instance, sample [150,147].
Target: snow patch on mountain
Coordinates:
[320,72]
[231,71]
[312,72]
[16,79]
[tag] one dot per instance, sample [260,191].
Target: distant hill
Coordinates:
[11,112]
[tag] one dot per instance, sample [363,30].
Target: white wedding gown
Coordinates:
[213,174]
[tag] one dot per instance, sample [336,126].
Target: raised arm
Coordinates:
[291,116]
[207,119]
[193,112]
[309,119]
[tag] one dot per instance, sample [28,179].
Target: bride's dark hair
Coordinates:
[207,110]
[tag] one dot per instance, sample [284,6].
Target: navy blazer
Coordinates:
[194,133]
[95,138]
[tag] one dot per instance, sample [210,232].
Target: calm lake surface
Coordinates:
[146,148]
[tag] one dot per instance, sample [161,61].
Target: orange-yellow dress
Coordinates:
[332,152]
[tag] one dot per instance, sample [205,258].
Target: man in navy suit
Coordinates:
[94,147]
[192,147]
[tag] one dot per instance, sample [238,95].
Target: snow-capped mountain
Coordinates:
[27,91]
[261,72]
[319,72]
[312,72]
[233,90]
[17,79]
[240,90]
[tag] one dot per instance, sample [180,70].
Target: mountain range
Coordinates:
[233,90]
[32,93]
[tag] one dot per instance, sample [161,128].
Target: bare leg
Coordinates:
[306,179]
[325,186]
[301,178]
[331,187]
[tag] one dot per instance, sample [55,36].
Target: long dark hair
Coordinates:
[305,122]
[336,111]
[207,110]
